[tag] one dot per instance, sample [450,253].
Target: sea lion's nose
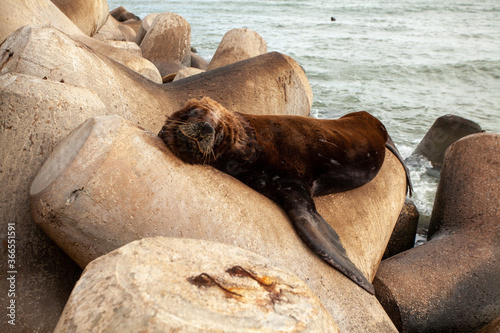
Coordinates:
[205,128]
[198,130]
[162,132]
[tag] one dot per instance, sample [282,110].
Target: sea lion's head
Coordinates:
[200,132]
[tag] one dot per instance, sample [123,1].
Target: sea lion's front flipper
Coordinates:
[320,236]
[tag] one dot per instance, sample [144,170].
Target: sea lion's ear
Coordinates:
[194,111]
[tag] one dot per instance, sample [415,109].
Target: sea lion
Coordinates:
[289,159]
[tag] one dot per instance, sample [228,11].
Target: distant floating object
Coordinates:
[333,19]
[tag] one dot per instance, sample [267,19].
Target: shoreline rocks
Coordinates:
[171,284]
[237,45]
[20,13]
[405,230]
[167,44]
[34,115]
[110,182]
[451,283]
[89,16]
[128,94]
[54,77]
[443,132]
[42,101]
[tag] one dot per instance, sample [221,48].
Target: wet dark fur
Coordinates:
[289,159]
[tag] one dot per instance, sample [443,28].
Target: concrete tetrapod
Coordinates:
[118,11]
[114,30]
[88,15]
[405,230]
[34,115]
[237,45]
[185,285]
[167,44]
[15,14]
[38,110]
[450,284]
[445,131]
[146,23]
[270,84]
[110,182]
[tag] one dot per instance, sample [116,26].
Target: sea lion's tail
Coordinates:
[392,147]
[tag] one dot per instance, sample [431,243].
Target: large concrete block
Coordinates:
[198,62]
[15,14]
[130,47]
[110,182]
[123,15]
[184,285]
[110,31]
[88,15]
[167,44]
[468,187]
[119,31]
[38,110]
[146,24]
[187,72]
[270,84]
[450,283]
[405,231]
[237,45]
[445,131]
[34,115]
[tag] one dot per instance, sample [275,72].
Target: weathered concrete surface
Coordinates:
[198,62]
[445,130]
[405,231]
[237,45]
[37,112]
[467,189]
[122,15]
[118,31]
[134,24]
[34,115]
[269,84]
[185,285]
[117,12]
[131,47]
[111,182]
[187,72]
[167,44]
[110,31]
[450,284]
[146,23]
[17,13]
[88,15]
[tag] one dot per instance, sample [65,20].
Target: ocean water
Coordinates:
[407,62]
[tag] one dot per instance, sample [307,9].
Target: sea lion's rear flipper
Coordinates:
[320,236]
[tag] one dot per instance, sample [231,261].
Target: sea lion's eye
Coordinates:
[219,137]
[195,112]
